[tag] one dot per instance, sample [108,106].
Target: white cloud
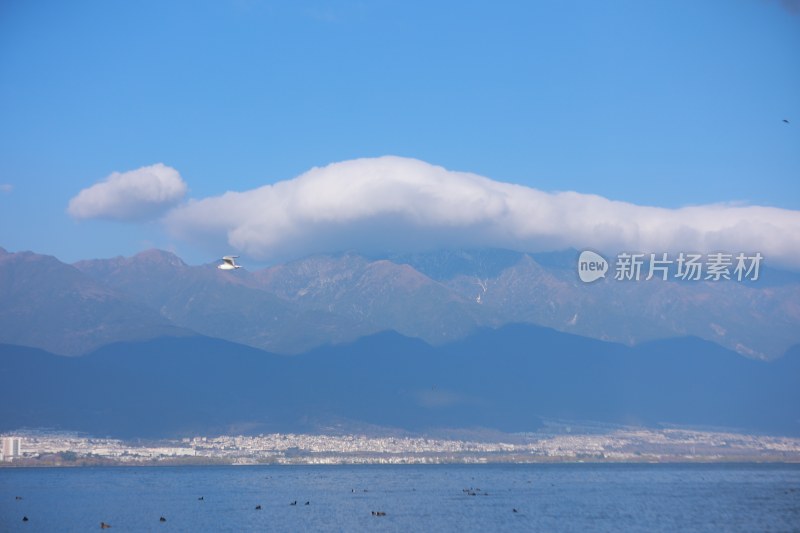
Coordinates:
[133,195]
[398,204]
[6,188]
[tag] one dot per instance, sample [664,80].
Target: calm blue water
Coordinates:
[578,497]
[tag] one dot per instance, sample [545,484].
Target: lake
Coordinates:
[557,497]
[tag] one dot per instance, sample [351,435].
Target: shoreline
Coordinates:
[609,446]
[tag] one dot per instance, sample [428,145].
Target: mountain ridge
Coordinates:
[55,306]
[505,379]
[440,297]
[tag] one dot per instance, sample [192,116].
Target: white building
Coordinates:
[11,448]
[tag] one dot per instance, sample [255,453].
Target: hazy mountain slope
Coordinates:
[229,305]
[380,293]
[51,305]
[505,379]
[754,319]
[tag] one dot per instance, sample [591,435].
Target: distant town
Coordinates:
[43,448]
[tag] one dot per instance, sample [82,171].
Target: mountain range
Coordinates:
[438,297]
[449,339]
[507,379]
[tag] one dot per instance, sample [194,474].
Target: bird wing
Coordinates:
[229,259]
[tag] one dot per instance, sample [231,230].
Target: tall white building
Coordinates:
[11,448]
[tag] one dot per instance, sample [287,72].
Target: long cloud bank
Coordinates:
[399,204]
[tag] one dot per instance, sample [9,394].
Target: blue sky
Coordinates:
[665,104]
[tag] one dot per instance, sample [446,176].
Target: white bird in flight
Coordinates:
[229,263]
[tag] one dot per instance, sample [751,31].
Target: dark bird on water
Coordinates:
[308,503]
[201,498]
[293,503]
[514,511]
[785,121]
[103,525]
[258,507]
[17,497]
[24,518]
[162,519]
